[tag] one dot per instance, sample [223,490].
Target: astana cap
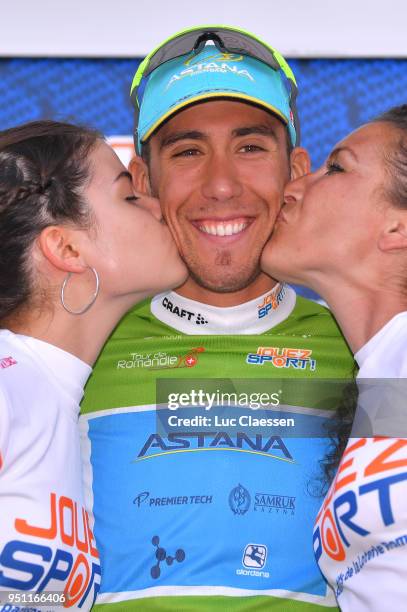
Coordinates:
[213,71]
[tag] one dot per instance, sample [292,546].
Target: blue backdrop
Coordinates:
[335,95]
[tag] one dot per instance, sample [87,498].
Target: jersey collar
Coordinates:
[254,317]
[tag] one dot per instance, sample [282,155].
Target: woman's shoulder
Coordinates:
[15,359]
[385,354]
[23,384]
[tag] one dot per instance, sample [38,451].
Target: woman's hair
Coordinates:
[338,429]
[44,167]
[396,159]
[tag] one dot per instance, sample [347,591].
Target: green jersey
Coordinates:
[212,514]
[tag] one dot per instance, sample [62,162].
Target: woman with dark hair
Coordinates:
[77,249]
[343,232]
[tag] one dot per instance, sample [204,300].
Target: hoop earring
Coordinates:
[92,301]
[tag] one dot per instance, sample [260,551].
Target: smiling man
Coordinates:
[208,516]
[219,169]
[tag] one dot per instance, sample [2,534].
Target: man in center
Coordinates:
[219,517]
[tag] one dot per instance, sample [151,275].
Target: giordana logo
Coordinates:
[255,556]
[196,318]
[271,302]
[161,361]
[204,67]
[161,555]
[219,441]
[239,500]
[253,560]
[146,500]
[299,359]
[6,362]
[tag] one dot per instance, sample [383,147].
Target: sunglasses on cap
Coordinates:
[227,40]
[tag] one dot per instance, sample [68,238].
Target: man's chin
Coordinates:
[226,283]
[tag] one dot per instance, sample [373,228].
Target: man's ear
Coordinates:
[300,163]
[61,247]
[393,237]
[140,175]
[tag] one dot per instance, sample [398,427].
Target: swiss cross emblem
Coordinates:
[190,361]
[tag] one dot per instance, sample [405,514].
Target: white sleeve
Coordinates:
[4,428]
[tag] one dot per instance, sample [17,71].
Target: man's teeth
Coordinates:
[223,229]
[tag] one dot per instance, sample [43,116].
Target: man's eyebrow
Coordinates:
[261,129]
[123,174]
[182,135]
[338,150]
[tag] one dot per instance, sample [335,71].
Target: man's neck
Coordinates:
[190,289]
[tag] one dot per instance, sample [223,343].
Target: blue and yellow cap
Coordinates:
[199,77]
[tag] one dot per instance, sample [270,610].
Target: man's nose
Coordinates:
[221,180]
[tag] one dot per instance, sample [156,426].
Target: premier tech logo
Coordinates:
[215,441]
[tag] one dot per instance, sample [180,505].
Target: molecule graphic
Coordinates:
[161,555]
